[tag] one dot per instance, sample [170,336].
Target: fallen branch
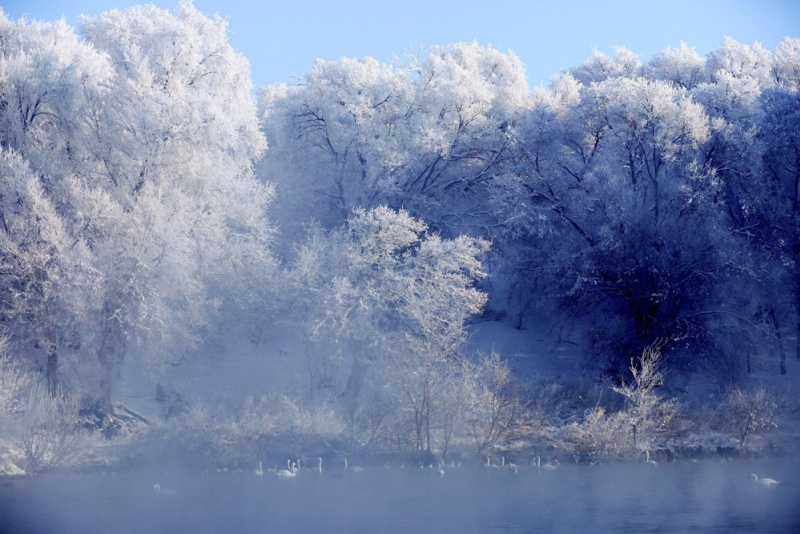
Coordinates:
[130,412]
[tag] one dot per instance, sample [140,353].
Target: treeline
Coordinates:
[649,201]
[142,215]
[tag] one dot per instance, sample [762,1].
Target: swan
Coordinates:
[355,468]
[649,461]
[551,466]
[490,464]
[259,470]
[163,491]
[320,464]
[441,467]
[287,473]
[763,481]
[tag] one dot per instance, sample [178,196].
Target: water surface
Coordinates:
[706,496]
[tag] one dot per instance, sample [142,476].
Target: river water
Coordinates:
[704,496]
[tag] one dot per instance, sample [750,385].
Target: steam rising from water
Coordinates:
[672,497]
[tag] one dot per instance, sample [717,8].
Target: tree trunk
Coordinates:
[428,429]
[106,385]
[111,352]
[796,278]
[52,373]
[779,339]
[796,255]
[355,382]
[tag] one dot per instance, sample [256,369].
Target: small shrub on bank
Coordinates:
[12,383]
[237,438]
[649,413]
[48,431]
[599,436]
[748,413]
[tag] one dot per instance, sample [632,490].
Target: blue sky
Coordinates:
[282,39]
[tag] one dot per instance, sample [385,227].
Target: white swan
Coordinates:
[551,466]
[490,464]
[355,468]
[259,470]
[320,464]
[649,461]
[163,491]
[763,481]
[441,467]
[287,473]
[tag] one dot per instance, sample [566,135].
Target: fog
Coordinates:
[707,496]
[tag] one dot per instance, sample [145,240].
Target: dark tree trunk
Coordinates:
[428,429]
[355,382]
[778,339]
[111,352]
[797,303]
[52,373]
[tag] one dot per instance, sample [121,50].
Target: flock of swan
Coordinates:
[292,468]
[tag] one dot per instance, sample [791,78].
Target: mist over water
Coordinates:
[706,496]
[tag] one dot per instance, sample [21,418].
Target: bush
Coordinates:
[747,413]
[649,414]
[12,383]
[497,411]
[599,436]
[49,432]
[235,439]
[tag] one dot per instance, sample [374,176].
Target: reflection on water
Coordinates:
[706,496]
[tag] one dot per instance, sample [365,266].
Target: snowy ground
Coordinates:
[244,369]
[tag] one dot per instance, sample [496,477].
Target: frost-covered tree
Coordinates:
[612,202]
[657,201]
[639,195]
[426,136]
[750,96]
[129,200]
[781,135]
[48,80]
[179,222]
[683,67]
[46,271]
[599,67]
[384,304]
